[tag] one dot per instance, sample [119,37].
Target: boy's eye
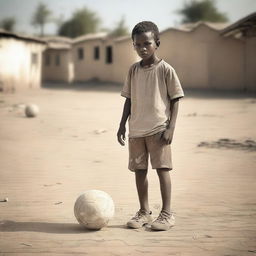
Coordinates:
[144,44]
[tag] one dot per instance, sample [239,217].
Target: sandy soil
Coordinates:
[48,161]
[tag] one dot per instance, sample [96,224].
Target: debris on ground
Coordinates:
[4,200]
[249,144]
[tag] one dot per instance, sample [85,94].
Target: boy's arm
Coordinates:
[168,134]
[125,115]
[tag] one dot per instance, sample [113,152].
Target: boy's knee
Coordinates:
[141,172]
[162,171]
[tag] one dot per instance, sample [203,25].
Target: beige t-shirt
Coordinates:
[150,90]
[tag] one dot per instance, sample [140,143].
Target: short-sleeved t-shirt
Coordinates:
[150,90]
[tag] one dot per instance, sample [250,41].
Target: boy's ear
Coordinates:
[158,43]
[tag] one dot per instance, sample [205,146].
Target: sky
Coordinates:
[162,12]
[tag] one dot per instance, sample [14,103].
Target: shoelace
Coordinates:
[138,215]
[163,216]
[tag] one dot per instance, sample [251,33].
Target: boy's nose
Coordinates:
[143,49]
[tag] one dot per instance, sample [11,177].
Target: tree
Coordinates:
[83,21]
[8,24]
[120,29]
[41,16]
[204,10]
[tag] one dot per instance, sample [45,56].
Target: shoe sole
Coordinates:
[161,229]
[137,227]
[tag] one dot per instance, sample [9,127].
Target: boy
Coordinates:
[152,90]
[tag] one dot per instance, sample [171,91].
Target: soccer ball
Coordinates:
[31,110]
[93,209]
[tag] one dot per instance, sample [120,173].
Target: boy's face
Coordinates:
[145,45]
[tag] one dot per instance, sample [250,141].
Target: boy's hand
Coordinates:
[167,136]
[121,135]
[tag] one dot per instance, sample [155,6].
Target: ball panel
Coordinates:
[93,209]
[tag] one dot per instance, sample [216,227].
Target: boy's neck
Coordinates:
[150,62]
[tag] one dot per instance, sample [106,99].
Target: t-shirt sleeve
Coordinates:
[126,91]
[173,85]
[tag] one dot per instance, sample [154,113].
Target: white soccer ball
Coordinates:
[94,208]
[31,110]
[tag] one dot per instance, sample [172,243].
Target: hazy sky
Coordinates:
[162,12]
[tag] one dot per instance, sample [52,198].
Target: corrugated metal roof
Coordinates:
[58,42]
[4,33]
[59,39]
[213,25]
[88,37]
[241,26]
[189,27]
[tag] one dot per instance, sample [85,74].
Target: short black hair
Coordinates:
[146,26]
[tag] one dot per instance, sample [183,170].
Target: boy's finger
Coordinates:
[162,136]
[120,141]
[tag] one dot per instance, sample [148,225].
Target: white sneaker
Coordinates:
[140,219]
[163,222]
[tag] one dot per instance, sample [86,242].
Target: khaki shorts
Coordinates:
[143,147]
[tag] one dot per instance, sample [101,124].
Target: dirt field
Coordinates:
[48,161]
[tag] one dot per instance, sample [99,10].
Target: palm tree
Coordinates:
[41,17]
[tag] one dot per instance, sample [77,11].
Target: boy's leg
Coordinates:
[165,220]
[138,162]
[165,187]
[142,189]
[161,160]
[143,216]
[160,156]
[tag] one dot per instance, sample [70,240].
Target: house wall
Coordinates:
[125,56]
[204,59]
[88,67]
[53,70]
[250,63]
[106,73]
[20,64]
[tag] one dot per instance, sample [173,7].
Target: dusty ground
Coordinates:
[48,161]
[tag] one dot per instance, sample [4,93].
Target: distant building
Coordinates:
[20,61]
[205,55]
[245,29]
[98,56]
[124,56]
[89,56]
[203,58]
[58,63]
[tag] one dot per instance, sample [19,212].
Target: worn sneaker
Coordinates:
[140,219]
[163,222]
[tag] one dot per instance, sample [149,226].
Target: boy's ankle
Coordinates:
[169,212]
[147,211]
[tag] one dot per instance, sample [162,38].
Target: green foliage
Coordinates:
[83,21]
[41,16]
[204,10]
[120,29]
[8,24]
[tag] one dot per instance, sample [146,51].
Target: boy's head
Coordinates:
[147,26]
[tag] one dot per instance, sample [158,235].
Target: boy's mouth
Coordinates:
[143,54]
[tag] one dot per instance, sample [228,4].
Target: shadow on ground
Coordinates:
[95,85]
[47,227]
